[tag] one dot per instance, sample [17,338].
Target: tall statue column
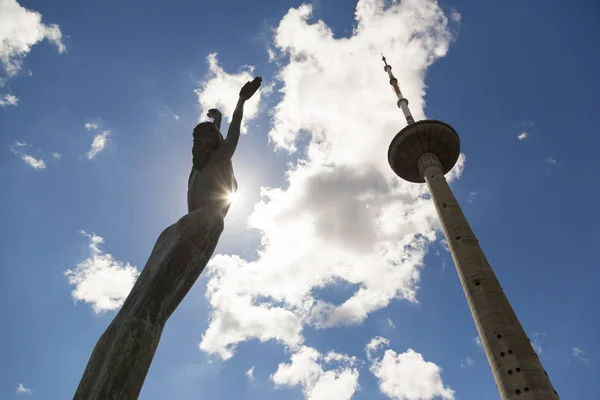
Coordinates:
[120,361]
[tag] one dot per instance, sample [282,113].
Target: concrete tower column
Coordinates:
[518,372]
[424,152]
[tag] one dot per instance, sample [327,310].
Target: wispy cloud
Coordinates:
[98,144]
[580,355]
[8,100]
[478,343]
[467,362]
[551,160]
[472,197]
[522,136]
[33,162]
[455,16]
[57,156]
[391,324]
[538,341]
[90,126]
[21,29]
[526,124]
[374,345]
[250,373]
[21,389]
[101,280]
[19,149]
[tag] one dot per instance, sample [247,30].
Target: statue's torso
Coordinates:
[211,186]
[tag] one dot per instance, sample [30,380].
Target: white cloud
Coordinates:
[250,373]
[19,149]
[306,369]
[8,99]
[536,343]
[98,144]
[522,136]
[391,323]
[58,156]
[579,354]
[478,343]
[455,16]
[90,126]
[101,280]
[271,54]
[221,90]
[33,162]
[407,376]
[343,208]
[374,345]
[467,362]
[526,124]
[238,318]
[551,160]
[176,117]
[22,389]
[19,30]
[472,197]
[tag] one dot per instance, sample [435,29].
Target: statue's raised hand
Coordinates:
[213,113]
[250,88]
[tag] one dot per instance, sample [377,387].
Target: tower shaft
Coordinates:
[517,370]
[423,152]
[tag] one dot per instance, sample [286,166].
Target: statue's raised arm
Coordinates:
[216,116]
[227,148]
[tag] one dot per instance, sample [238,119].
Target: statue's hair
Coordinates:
[200,130]
[201,127]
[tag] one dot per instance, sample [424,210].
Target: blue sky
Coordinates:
[304,267]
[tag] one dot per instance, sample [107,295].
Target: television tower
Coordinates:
[424,151]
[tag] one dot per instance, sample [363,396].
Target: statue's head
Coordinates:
[206,140]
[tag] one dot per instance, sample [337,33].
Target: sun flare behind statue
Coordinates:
[231,196]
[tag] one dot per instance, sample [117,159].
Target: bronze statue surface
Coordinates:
[120,361]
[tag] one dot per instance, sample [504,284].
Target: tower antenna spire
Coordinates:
[402,102]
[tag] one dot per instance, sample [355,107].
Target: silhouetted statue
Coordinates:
[120,361]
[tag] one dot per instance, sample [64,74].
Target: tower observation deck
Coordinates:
[423,152]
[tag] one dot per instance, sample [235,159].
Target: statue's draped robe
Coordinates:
[120,361]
